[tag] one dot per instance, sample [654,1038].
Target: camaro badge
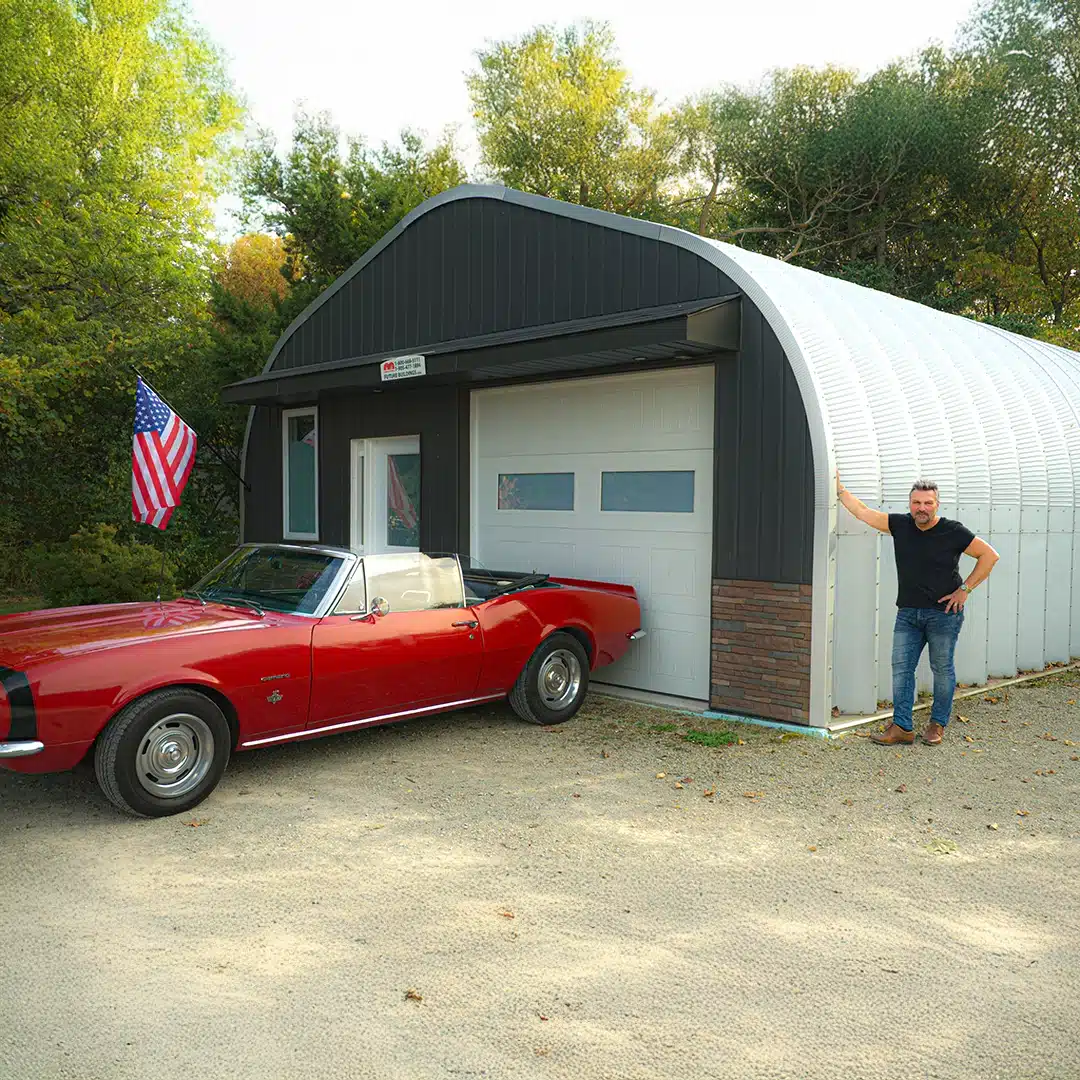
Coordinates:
[274,698]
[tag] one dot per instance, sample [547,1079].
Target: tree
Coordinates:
[253,270]
[329,208]
[556,115]
[115,122]
[1027,57]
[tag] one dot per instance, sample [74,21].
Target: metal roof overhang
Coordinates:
[674,331]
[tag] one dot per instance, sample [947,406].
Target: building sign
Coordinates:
[402,367]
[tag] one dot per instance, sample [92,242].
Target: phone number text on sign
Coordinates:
[402,367]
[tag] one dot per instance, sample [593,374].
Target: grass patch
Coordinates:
[10,605]
[711,738]
[1056,678]
[660,728]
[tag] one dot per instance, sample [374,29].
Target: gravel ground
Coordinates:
[469,896]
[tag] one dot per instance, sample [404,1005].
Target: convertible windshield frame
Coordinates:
[346,562]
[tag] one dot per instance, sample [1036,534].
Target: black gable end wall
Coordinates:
[480,266]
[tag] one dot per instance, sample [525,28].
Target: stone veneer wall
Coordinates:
[761,649]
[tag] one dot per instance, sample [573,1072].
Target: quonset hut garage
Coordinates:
[544,386]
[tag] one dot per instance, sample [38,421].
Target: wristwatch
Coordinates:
[964,585]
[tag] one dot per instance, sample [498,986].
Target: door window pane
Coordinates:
[648,492]
[536,491]
[412,581]
[403,500]
[300,464]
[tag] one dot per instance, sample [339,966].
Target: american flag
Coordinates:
[162,453]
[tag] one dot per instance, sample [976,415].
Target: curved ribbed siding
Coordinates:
[904,391]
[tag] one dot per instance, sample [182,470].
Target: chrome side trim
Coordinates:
[637,635]
[448,706]
[26,748]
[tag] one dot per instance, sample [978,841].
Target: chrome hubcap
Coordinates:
[560,679]
[175,756]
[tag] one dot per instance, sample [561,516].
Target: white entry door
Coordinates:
[609,479]
[385,495]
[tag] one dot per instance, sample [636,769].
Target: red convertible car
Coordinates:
[284,642]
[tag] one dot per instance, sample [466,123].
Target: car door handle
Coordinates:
[472,624]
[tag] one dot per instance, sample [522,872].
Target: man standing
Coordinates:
[930,600]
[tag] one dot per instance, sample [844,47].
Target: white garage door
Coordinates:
[609,479]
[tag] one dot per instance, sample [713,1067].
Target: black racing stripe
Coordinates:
[21,703]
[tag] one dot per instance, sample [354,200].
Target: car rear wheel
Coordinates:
[554,682]
[163,754]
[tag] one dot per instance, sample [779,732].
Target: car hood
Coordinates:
[42,635]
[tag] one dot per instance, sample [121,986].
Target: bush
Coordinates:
[92,567]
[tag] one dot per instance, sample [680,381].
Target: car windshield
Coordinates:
[271,578]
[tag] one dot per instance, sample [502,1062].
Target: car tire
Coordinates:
[553,684]
[163,754]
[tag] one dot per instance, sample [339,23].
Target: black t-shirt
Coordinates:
[927,562]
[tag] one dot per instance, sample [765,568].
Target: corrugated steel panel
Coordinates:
[905,391]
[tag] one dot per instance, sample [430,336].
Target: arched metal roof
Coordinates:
[905,391]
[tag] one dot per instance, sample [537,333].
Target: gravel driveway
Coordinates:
[470,896]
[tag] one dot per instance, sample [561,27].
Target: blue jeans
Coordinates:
[916,627]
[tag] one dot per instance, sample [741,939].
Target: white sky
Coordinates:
[379,67]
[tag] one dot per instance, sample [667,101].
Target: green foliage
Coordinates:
[329,207]
[115,123]
[556,115]
[711,738]
[93,567]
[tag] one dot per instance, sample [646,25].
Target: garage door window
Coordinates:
[536,491]
[667,492]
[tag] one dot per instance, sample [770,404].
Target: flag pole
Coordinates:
[209,446]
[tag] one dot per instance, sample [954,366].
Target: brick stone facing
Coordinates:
[761,649]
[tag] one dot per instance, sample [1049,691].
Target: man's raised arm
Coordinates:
[876,519]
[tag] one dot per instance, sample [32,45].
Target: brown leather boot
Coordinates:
[892,735]
[933,733]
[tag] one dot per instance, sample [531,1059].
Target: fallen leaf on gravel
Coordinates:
[661,775]
[753,794]
[992,825]
[1044,772]
[1024,780]
[196,822]
[963,720]
[604,753]
[678,786]
[577,795]
[940,846]
[1075,757]
[412,995]
[1071,701]
[991,699]
[507,914]
[1022,813]
[543,1017]
[968,738]
[708,793]
[849,802]
[687,780]
[542,1051]
[902,788]
[812,847]
[1048,737]
[739,742]
[1065,742]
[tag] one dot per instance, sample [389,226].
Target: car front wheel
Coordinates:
[554,682]
[163,754]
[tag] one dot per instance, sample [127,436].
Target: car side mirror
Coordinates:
[380,606]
